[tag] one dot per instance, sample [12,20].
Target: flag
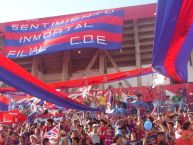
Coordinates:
[8,118]
[109,95]
[100,29]
[16,76]
[169,93]
[4,103]
[53,133]
[173,38]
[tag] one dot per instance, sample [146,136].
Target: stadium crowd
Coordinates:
[171,120]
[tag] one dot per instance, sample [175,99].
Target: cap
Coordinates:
[95,125]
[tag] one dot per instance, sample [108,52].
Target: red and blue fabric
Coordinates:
[4,103]
[100,29]
[173,38]
[15,76]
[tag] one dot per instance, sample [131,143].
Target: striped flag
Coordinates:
[100,29]
[173,38]
[53,133]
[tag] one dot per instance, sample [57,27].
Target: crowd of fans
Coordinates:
[170,117]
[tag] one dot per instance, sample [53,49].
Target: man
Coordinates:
[12,139]
[169,104]
[94,135]
[176,100]
[46,141]
[103,102]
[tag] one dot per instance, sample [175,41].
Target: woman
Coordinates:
[187,134]
[33,140]
[64,140]
[117,140]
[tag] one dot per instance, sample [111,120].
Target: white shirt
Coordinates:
[94,137]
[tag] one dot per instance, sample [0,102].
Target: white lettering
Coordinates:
[86,16]
[45,24]
[59,31]
[68,28]
[24,27]
[18,53]
[15,27]
[20,40]
[85,25]
[25,38]
[35,50]
[34,27]
[59,23]
[79,26]
[101,40]
[88,39]
[74,19]
[11,53]
[35,38]
[74,39]
[41,49]
[109,11]
[47,34]
[23,55]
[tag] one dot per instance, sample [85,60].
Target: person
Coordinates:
[75,140]
[64,140]
[176,100]
[118,97]
[102,129]
[159,140]
[94,101]
[2,138]
[108,135]
[49,125]
[169,104]
[125,136]
[102,102]
[117,140]
[33,140]
[95,138]
[183,99]
[178,132]
[124,99]
[12,139]
[187,134]
[46,141]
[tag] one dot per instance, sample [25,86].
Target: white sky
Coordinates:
[12,10]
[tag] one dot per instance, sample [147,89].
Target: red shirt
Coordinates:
[108,139]
[103,129]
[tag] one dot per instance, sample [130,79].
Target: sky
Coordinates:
[13,10]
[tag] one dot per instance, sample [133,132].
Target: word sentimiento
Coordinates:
[39,36]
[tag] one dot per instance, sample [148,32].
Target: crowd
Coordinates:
[171,124]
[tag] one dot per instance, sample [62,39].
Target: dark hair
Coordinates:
[12,133]
[76,139]
[50,121]
[45,140]
[160,133]
[45,111]
[116,137]
[167,96]
[179,121]
[109,126]
[171,123]
[186,125]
